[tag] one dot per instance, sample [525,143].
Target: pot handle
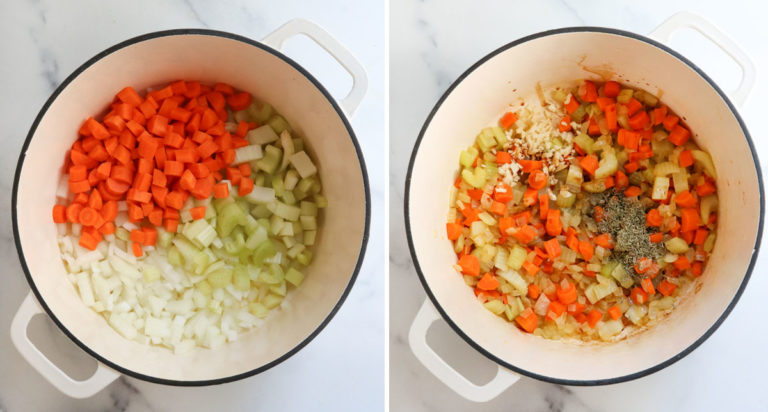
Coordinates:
[323,39]
[664,32]
[417,338]
[71,387]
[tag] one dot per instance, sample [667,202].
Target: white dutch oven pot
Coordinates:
[512,72]
[208,56]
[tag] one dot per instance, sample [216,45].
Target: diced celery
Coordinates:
[247,154]
[516,257]
[701,157]
[308,222]
[291,179]
[271,159]
[193,229]
[122,234]
[276,224]
[298,144]
[660,188]
[277,185]
[278,123]
[474,178]
[305,257]
[575,179]
[294,277]
[467,157]
[295,250]
[250,224]
[228,218]
[241,280]
[608,164]
[585,142]
[321,201]
[186,248]
[286,230]
[260,211]
[676,245]
[309,237]
[517,281]
[289,198]
[258,310]
[280,289]
[709,244]
[174,257]
[708,204]
[258,236]
[625,95]
[303,164]
[287,212]
[263,251]
[495,306]
[499,135]
[200,262]
[308,209]
[205,288]
[151,273]
[271,301]
[261,135]
[220,278]
[286,142]
[485,140]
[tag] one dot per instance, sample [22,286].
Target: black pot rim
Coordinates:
[184,32]
[592,382]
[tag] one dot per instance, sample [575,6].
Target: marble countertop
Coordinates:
[42,42]
[431,43]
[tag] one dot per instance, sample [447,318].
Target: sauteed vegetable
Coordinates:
[585,213]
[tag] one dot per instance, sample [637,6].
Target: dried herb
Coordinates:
[624,219]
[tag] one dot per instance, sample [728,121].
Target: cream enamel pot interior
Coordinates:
[501,78]
[207,56]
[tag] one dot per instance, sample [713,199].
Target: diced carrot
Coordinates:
[533,291]
[59,214]
[653,218]
[659,114]
[633,106]
[530,197]
[530,165]
[187,180]
[554,226]
[537,179]
[503,157]
[239,101]
[79,187]
[88,241]
[593,317]
[586,249]
[696,269]
[611,118]
[197,212]
[633,191]
[667,288]
[543,206]
[614,312]
[640,120]
[137,235]
[245,187]
[689,219]
[706,188]
[530,268]
[588,92]
[137,250]
[129,96]
[171,225]
[488,282]
[555,310]
[572,241]
[469,265]
[700,237]
[685,199]
[508,120]
[525,234]
[95,201]
[631,167]
[567,295]
[78,173]
[158,125]
[175,200]
[589,163]
[565,123]
[611,88]
[221,190]
[656,237]
[474,194]
[107,228]
[498,208]
[593,129]
[604,241]
[679,135]
[527,320]
[685,159]
[670,122]
[571,104]
[453,229]
[682,263]
[647,286]
[638,295]
[552,246]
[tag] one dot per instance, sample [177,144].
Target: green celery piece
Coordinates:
[220,278]
[305,257]
[294,277]
[242,280]
[278,124]
[278,289]
[260,211]
[261,112]
[467,157]
[289,198]
[271,159]
[321,201]
[174,257]
[278,185]
[263,251]
[228,218]
[258,236]
[200,261]
[499,136]
[298,144]
[308,208]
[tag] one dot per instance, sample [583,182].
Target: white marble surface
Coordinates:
[41,42]
[431,43]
